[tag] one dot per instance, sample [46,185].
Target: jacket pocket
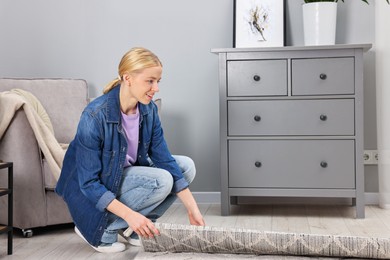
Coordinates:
[107,162]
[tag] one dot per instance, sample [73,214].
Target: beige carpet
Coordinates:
[201,242]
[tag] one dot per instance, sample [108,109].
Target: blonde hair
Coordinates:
[133,61]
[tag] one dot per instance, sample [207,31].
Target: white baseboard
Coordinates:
[202,197]
[372,198]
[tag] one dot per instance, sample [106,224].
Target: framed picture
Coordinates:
[259,23]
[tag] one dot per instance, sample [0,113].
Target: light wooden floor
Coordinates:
[61,242]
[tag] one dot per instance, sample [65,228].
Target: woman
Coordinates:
[118,171]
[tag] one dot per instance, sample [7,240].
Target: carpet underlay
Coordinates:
[176,238]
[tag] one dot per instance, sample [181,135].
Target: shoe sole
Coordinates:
[135,242]
[115,248]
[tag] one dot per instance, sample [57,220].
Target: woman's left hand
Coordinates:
[189,202]
[196,218]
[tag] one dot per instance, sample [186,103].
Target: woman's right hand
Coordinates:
[141,225]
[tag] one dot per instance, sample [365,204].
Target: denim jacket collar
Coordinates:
[113,107]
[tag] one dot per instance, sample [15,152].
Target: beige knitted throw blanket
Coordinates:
[10,103]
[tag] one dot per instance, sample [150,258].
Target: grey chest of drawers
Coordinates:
[291,123]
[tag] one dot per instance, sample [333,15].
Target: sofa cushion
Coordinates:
[36,105]
[63,99]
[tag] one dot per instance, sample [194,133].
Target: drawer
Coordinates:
[291,117]
[327,76]
[257,78]
[327,164]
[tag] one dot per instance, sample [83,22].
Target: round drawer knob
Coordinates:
[323,117]
[323,76]
[257,118]
[324,164]
[256,78]
[258,164]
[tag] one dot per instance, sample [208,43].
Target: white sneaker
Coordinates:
[106,248]
[126,235]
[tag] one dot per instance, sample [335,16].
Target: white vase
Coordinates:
[319,23]
[382,67]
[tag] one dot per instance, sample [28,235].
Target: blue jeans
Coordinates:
[146,190]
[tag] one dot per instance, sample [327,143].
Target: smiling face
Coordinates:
[139,86]
[144,84]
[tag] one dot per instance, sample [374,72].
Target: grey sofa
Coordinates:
[35,203]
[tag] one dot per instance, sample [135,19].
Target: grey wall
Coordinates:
[86,39]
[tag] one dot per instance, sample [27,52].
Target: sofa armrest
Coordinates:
[18,145]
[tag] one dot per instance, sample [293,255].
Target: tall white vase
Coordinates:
[382,58]
[319,23]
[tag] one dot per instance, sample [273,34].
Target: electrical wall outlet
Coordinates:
[370,157]
[375,156]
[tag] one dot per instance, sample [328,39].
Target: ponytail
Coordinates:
[111,85]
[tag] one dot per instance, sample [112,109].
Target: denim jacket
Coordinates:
[93,164]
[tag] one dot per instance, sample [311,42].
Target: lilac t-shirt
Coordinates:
[130,124]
